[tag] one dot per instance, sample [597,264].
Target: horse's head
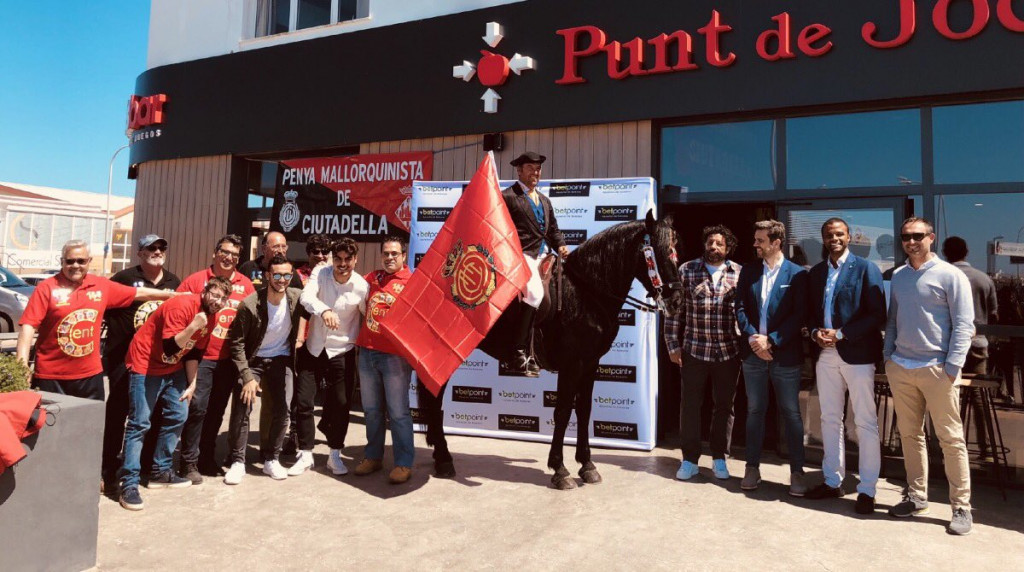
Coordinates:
[659,267]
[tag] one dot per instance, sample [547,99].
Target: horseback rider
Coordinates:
[538,232]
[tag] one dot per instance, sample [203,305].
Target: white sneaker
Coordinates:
[305,461]
[235,474]
[274,470]
[335,464]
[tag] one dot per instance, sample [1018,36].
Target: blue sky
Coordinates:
[68,69]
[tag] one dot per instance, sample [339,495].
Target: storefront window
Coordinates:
[282,16]
[877,149]
[981,143]
[982,221]
[724,157]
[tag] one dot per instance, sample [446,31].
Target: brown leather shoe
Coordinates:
[367,466]
[400,475]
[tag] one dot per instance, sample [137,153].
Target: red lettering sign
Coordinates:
[146,111]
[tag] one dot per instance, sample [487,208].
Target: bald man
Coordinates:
[272,244]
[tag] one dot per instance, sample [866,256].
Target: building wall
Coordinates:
[185,30]
[186,201]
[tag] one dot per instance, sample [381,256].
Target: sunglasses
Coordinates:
[156,248]
[918,236]
[320,251]
[279,276]
[227,254]
[78,261]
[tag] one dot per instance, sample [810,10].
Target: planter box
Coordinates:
[49,502]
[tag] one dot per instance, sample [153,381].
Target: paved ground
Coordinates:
[500,513]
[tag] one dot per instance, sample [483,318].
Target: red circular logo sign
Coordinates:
[76,333]
[474,278]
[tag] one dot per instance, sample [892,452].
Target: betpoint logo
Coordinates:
[492,69]
[433,214]
[615,430]
[474,364]
[474,419]
[615,213]
[550,398]
[466,394]
[567,212]
[619,373]
[526,423]
[627,317]
[418,415]
[521,396]
[570,427]
[427,234]
[622,346]
[577,189]
[614,402]
[574,237]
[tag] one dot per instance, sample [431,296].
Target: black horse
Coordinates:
[571,339]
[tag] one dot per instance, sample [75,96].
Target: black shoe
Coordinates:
[211,469]
[520,364]
[823,491]
[131,499]
[168,480]
[865,504]
[444,470]
[191,472]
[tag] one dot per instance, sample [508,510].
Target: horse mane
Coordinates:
[603,255]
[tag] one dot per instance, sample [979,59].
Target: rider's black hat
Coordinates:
[528,157]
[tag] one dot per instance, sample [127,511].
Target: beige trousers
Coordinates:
[928,390]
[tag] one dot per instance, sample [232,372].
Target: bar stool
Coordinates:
[983,387]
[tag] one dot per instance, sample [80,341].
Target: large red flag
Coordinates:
[472,271]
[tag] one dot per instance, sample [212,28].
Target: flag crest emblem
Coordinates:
[472,274]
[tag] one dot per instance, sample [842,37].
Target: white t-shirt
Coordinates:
[275,341]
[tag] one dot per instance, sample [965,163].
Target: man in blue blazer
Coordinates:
[771,302]
[846,314]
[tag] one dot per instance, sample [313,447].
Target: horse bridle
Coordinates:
[657,284]
[654,291]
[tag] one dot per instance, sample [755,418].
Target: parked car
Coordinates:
[12,304]
[35,279]
[12,282]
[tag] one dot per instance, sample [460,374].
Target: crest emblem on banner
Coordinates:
[289,216]
[472,273]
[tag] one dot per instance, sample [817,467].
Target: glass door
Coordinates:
[874,225]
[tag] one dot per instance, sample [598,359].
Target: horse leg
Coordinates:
[584,404]
[444,467]
[562,480]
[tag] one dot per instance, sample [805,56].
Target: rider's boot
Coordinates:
[521,359]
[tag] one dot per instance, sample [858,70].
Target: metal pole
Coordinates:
[107,222]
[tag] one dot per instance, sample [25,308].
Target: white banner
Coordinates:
[481,400]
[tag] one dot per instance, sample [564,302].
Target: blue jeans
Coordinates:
[786,380]
[145,392]
[385,377]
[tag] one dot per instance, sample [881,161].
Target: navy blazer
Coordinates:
[858,308]
[787,307]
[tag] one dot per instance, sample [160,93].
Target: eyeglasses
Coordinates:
[217,298]
[918,236]
[227,253]
[320,251]
[279,276]
[155,248]
[78,261]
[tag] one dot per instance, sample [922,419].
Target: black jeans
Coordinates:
[271,375]
[724,377]
[433,415]
[340,373]
[214,383]
[87,387]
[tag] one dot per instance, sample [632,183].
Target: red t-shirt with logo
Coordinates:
[240,288]
[146,353]
[68,322]
[384,289]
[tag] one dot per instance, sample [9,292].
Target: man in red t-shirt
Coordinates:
[67,312]
[217,372]
[384,375]
[163,361]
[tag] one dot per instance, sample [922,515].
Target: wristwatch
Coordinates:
[839,335]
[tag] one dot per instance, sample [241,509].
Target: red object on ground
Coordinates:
[21,415]
[471,273]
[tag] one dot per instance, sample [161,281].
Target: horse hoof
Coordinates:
[590,475]
[563,482]
[444,470]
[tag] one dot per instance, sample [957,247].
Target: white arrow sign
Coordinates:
[518,63]
[465,72]
[494,34]
[490,98]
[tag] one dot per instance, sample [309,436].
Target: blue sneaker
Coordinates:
[720,469]
[687,471]
[130,498]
